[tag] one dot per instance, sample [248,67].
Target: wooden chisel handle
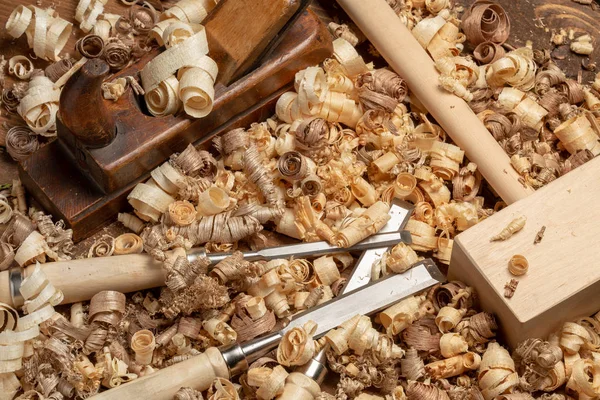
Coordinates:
[80,280]
[299,387]
[198,372]
[405,55]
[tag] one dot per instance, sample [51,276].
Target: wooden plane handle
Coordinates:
[238,32]
[405,55]
[83,109]
[198,372]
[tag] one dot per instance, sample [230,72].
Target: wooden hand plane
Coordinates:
[84,181]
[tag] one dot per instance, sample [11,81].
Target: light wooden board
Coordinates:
[563,281]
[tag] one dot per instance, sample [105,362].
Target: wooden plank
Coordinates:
[564,275]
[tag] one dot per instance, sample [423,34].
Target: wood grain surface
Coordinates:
[563,279]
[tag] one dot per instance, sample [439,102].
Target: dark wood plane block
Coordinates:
[143,141]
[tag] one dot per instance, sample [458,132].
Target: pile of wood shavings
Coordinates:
[546,122]
[354,133]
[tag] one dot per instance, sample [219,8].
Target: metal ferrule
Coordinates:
[15,279]
[316,368]
[238,357]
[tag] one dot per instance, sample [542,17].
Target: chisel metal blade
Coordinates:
[361,274]
[371,298]
[310,249]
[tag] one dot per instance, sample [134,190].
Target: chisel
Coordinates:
[200,371]
[79,280]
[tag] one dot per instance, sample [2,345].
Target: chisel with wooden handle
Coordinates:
[200,371]
[80,280]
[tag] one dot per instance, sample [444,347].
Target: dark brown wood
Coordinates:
[144,141]
[239,30]
[92,124]
[63,185]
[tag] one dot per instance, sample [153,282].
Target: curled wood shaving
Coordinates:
[399,316]
[222,389]
[143,343]
[453,366]
[518,265]
[577,134]
[32,249]
[46,32]
[142,18]
[11,99]
[115,89]
[57,69]
[90,46]
[496,373]
[453,344]
[190,11]
[513,227]
[370,222]
[181,213]
[131,222]
[102,247]
[536,361]
[401,258]
[486,21]
[297,346]
[128,243]
[20,66]
[247,327]
[116,53]
[477,329]
[584,378]
[343,31]
[423,391]
[21,142]
[186,393]
[488,52]
[87,13]
[220,331]
[203,293]
[412,365]
[195,78]
[39,106]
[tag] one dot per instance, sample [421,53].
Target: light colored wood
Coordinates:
[405,55]
[563,280]
[299,387]
[5,289]
[197,372]
[80,280]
